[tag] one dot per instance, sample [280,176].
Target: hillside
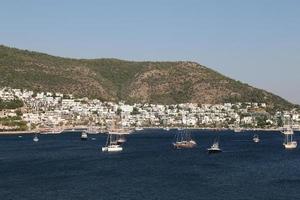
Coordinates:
[112,79]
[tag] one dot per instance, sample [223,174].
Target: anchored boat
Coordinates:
[112,144]
[289,143]
[215,148]
[84,135]
[35,138]
[184,140]
[256,138]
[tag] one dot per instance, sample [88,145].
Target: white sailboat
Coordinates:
[84,135]
[256,138]
[288,142]
[112,144]
[138,128]
[215,148]
[35,138]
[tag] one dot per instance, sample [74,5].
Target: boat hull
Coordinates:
[256,140]
[213,151]
[112,149]
[185,145]
[291,145]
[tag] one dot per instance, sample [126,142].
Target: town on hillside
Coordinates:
[24,110]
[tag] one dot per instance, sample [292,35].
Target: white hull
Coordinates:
[214,148]
[112,148]
[35,139]
[256,140]
[290,145]
[84,138]
[121,141]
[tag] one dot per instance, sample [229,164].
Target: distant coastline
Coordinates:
[147,128]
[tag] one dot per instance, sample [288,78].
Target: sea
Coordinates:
[62,167]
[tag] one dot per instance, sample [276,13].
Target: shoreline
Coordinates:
[149,128]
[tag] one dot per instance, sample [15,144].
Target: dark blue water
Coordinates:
[61,167]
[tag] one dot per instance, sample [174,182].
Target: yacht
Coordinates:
[84,135]
[215,148]
[289,143]
[184,140]
[111,144]
[138,129]
[35,139]
[256,138]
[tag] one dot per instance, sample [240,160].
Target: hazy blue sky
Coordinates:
[255,41]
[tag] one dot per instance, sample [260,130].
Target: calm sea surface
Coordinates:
[62,167]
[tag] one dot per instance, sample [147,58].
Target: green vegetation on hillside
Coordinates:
[12,104]
[115,80]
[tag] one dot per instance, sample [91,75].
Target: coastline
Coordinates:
[155,128]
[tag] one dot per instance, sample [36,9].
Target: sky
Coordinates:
[254,41]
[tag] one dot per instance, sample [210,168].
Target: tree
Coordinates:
[18,112]
[119,111]
[135,111]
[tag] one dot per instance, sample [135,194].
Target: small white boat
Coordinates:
[84,135]
[138,129]
[112,144]
[237,130]
[112,148]
[215,148]
[35,139]
[289,143]
[256,138]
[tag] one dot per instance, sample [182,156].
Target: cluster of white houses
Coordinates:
[48,109]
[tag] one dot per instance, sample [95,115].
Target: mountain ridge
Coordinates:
[111,79]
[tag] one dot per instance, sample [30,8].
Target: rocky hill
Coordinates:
[113,80]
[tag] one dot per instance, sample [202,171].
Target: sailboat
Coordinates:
[289,143]
[112,144]
[256,138]
[215,148]
[35,138]
[184,140]
[84,135]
